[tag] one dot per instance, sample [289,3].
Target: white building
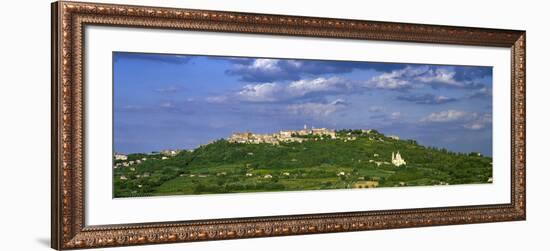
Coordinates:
[120,157]
[170,153]
[397,160]
[285,134]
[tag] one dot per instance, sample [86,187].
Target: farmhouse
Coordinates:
[365,184]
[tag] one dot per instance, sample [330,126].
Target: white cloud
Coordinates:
[132,107]
[442,99]
[472,121]
[445,116]
[295,63]
[482,93]
[426,99]
[391,80]
[339,102]
[479,122]
[168,89]
[439,76]
[216,99]
[167,105]
[376,109]
[409,77]
[258,70]
[265,65]
[395,115]
[271,92]
[417,76]
[267,92]
[317,109]
[303,87]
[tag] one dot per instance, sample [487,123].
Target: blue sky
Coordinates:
[183,101]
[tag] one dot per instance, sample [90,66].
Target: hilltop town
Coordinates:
[290,160]
[296,136]
[310,134]
[283,136]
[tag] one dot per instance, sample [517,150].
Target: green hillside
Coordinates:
[319,163]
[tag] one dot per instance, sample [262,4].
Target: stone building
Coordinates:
[120,156]
[365,184]
[240,137]
[324,132]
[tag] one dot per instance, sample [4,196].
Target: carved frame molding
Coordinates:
[68,225]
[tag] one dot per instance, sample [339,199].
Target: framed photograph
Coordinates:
[177,125]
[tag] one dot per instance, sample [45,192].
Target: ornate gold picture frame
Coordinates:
[69,230]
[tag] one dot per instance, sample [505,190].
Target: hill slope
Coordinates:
[355,159]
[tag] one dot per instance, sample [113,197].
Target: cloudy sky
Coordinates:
[182,101]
